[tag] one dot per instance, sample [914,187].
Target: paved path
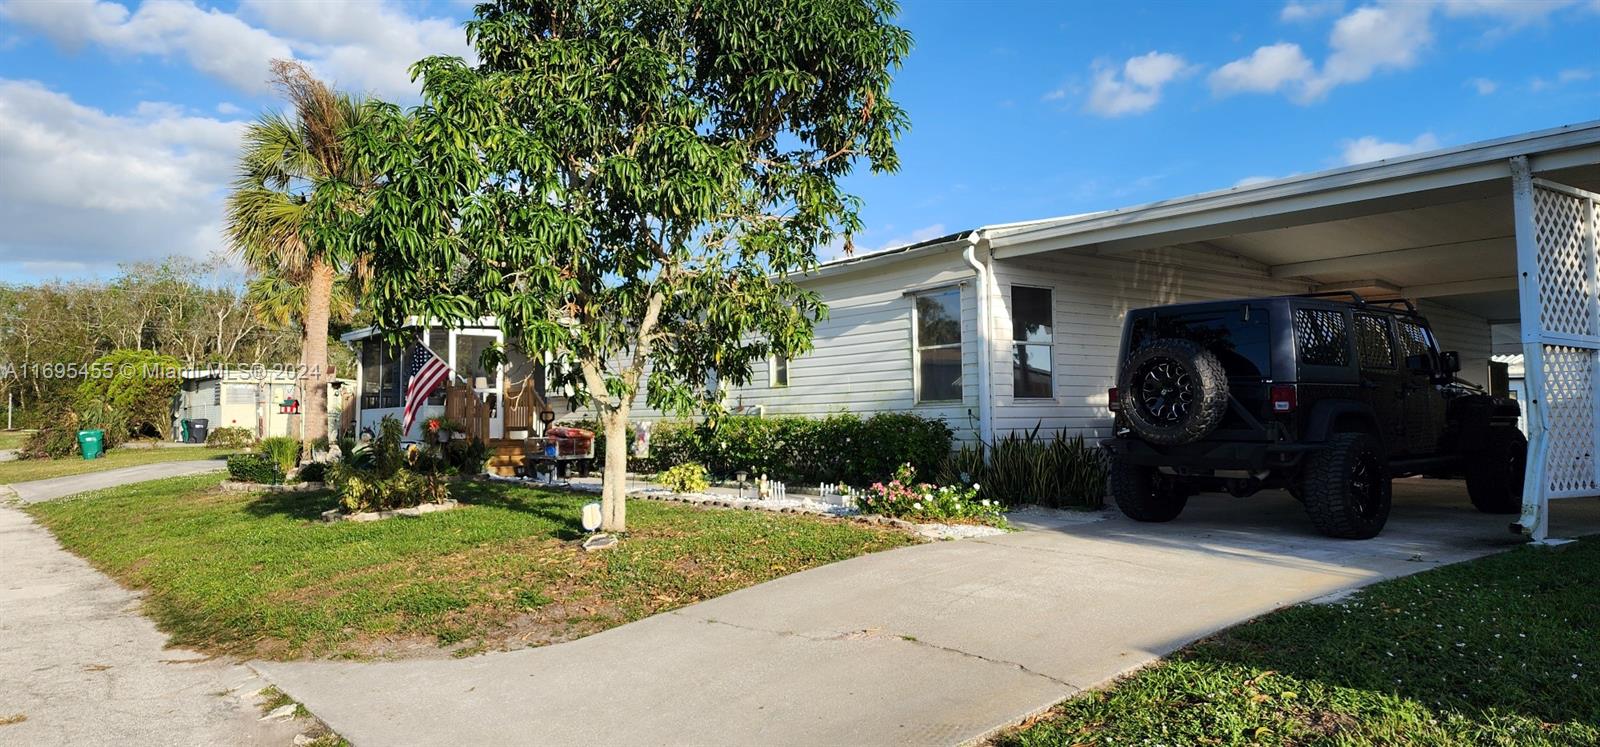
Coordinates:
[934,644]
[57,487]
[84,667]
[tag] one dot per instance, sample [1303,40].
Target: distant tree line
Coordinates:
[201,312]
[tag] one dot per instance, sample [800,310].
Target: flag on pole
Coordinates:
[426,371]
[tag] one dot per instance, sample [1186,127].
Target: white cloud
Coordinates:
[1483,86]
[1369,40]
[1301,11]
[916,236]
[1565,77]
[229,109]
[1136,87]
[1268,70]
[84,186]
[1364,42]
[1369,148]
[369,45]
[1516,12]
[363,46]
[215,43]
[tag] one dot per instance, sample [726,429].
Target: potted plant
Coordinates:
[437,431]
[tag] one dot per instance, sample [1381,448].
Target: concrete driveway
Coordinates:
[60,487]
[939,643]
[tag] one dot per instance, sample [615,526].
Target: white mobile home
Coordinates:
[1004,326]
[249,398]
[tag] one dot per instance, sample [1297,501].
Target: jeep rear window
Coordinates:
[1240,336]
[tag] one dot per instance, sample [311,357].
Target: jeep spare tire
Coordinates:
[1173,392]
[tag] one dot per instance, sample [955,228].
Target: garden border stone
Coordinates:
[336,515]
[236,486]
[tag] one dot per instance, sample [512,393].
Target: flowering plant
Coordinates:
[904,498]
[433,425]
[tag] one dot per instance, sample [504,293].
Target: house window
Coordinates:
[382,375]
[216,394]
[780,370]
[1032,335]
[937,326]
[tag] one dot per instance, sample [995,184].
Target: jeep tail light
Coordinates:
[1283,398]
[1113,400]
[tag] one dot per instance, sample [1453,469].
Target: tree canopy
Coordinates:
[633,184]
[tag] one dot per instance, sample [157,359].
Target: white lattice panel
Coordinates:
[1569,399]
[1565,267]
[1559,268]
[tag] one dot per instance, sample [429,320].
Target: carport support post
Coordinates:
[1535,520]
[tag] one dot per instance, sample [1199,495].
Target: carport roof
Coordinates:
[1430,225]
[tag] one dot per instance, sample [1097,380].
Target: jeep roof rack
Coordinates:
[1396,301]
[1352,295]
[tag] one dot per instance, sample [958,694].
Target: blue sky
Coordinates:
[119,121]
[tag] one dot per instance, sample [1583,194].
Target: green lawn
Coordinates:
[1499,651]
[40,469]
[12,439]
[258,575]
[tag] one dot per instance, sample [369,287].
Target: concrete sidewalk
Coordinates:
[82,666]
[58,487]
[934,644]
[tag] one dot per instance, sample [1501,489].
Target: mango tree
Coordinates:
[634,186]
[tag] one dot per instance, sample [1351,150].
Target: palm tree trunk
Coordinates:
[314,386]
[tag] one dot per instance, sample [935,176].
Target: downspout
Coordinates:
[985,350]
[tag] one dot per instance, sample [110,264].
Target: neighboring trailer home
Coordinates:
[249,398]
[1003,327]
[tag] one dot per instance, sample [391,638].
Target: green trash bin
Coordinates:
[92,443]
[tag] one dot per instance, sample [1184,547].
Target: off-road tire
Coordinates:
[1208,401]
[1494,473]
[1142,495]
[1329,487]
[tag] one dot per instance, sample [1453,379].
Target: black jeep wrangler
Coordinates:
[1329,396]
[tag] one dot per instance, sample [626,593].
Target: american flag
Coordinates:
[425,372]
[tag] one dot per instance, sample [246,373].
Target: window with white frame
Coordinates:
[779,371]
[1032,343]
[937,330]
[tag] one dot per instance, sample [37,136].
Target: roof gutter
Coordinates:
[985,350]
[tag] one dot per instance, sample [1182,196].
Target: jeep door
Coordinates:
[1383,384]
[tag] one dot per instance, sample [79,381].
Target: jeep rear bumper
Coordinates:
[1207,457]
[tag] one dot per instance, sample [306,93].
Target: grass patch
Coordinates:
[12,439]
[258,575]
[1497,651]
[43,469]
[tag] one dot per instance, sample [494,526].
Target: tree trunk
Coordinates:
[614,481]
[314,387]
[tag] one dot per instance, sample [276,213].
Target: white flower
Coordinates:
[984,501]
[917,505]
[976,486]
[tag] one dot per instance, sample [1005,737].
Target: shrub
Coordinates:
[838,448]
[56,437]
[378,476]
[137,387]
[905,498]
[283,450]
[314,472]
[688,477]
[230,437]
[466,457]
[1064,471]
[256,468]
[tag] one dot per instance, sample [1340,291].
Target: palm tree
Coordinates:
[291,209]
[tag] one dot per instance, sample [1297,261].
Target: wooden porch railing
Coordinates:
[520,410]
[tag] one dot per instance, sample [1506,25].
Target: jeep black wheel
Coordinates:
[1144,495]
[1346,487]
[1174,392]
[1494,474]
